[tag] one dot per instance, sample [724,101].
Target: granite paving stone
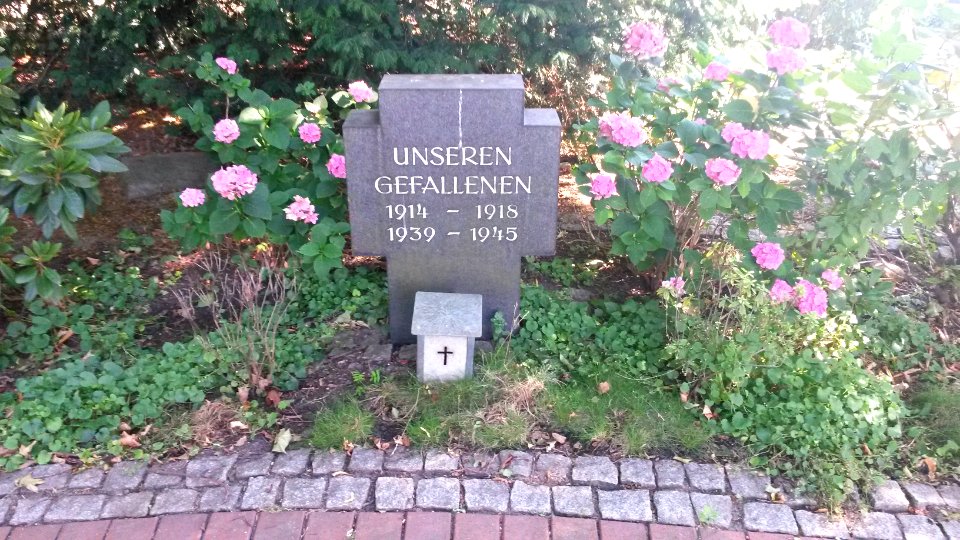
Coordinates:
[951,529]
[919,528]
[210,470]
[888,497]
[767,517]
[530,499]
[713,510]
[438,494]
[482,495]
[637,472]
[576,501]
[552,469]
[625,505]
[328,462]
[175,501]
[519,463]
[820,524]
[347,493]
[165,475]
[87,479]
[595,471]
[480,464]
[125,475]
[706,477]
[30,510]
[670,474]
[748,484]
[291,463]
[252,465]
[220,499]
[7,482]
[876,525]
[403,460]
[261,492]
[438,461]
[54,475]
[365,460]
[303,492]
[5,504]
[674,508]
[922,495]
[75,508]
[394,493]
[951,496]
[131,505]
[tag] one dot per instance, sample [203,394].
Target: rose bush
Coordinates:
[282,174]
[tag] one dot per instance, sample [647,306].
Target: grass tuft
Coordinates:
[344,420]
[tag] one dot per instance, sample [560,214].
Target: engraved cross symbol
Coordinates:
[445,352]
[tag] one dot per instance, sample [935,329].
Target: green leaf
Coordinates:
[251,115]
[257,204]
[106,164]
[88,140]
[689,132]
[73,203]
[739,110]
[224,221]
[856,81]
[277,135]
[254,228]
[100,115]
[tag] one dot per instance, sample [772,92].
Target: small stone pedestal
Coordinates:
[446,326]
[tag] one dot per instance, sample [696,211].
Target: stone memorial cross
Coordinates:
[453,180]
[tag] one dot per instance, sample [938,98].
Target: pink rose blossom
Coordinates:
[226,131]
[810,298]
[769,255]
[603,186]
[309,132]
[789,32]
[716,72]
[832,278]
[360,92]
[722,171]
[192,197]
[337,166]
[227,65]
[732,130]
[675,284]
[622,128]
[700,121]
[784,60]
[665,83]
[301,210]
[234,182]
[781,292]
[644,40]
[657,169]
[752,144]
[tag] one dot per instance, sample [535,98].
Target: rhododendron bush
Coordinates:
[282,174]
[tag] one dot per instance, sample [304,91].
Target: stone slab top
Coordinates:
[447,314]
[452,82]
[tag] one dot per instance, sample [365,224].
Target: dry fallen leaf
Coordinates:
[243,394]
[281,441]
[931,465]
[28,482]
[26,449]
[125,427]
[559,438]
[684,396]
[236,424]
[681,459]
[402,440]
[348,447]
[273,397]
[603,387]
[381,444]
[707,412]
[129,441]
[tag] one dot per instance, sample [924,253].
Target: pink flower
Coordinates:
[784,60]
[227,65]
[732,130]
[700,121]
[781,292]
[716,72]
[622,128]
[752,144]
[832,278]
[301,210]
[657,169]
[603,186]
[309,132]
[192,197]
[665,83]
[644,40]
[337,165]
[360,92]
[226,131]
[675,284]
[769,255]
[722,171]
[810,298]
[789,32]
[234,182]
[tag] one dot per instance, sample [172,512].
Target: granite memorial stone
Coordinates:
[453,180]
[446,326]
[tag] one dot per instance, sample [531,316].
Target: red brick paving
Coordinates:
[476,526]
[132,529]
[35,532]
[672,532]
[230,526]
[85,530]
[565,528]
[280,526]
[374,526]
[720,534]
[621,530]
[429,525]
[526,527]
[181,526]
[328,525]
